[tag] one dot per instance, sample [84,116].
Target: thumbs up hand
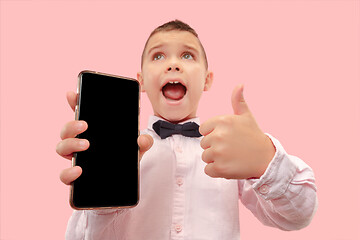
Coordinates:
[234,145]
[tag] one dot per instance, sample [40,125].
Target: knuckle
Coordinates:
[216,152]
[59,147]
[206,157]
[203,143]
[225,120]
[66,130]
[65,176]
[62,176]
[63,132]
[220,169]
[207,171]
[219,136]
[222,119]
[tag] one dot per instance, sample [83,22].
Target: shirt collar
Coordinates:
[153,119]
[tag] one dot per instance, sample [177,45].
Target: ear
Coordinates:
[141,81]
[208,80]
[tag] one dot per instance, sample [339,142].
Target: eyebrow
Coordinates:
[184,45]
[192,48]
[156,46]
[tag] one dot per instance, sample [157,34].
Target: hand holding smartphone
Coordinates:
[110,166]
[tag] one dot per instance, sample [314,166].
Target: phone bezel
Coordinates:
[73,160]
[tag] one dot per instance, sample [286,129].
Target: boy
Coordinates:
[190,185]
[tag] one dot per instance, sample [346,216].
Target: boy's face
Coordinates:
[174,74]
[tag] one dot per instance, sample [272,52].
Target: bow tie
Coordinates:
[165,129]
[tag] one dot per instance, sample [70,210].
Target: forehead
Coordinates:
[174,37]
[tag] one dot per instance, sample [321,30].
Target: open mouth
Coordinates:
[174,90]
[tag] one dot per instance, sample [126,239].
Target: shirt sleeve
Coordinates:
[93,224]
[285,195]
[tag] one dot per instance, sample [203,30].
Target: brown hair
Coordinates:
[175,25]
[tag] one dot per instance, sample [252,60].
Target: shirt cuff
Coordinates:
[278,175]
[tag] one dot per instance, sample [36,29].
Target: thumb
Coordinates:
[238,101]
[145,142]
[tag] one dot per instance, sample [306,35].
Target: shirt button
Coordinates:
[178,228]
[178,149]
[264,189]
[179,181]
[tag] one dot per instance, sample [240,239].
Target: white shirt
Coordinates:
[179,201]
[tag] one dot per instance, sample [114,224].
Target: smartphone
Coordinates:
[110,166]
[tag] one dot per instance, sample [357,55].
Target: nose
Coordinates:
[172,68]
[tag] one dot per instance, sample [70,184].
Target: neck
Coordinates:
[175,121]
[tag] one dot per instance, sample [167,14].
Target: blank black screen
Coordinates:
[110,106]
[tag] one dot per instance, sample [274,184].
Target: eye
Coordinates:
[187,56]
[158,56]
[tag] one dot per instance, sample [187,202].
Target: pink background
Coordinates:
[299,61]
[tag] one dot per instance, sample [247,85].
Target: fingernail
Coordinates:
[83,143]
[74,170]
[79,124]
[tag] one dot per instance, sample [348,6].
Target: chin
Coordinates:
[176,116]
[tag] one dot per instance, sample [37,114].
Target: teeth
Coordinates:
[173,82]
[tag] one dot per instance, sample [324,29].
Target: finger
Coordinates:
[145,142]
[207,156]
[69,157]
[210,170]
[238,101]
[69,175]
[205,142]
[72,99]
[208,126]
[70,145]
[73,128]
